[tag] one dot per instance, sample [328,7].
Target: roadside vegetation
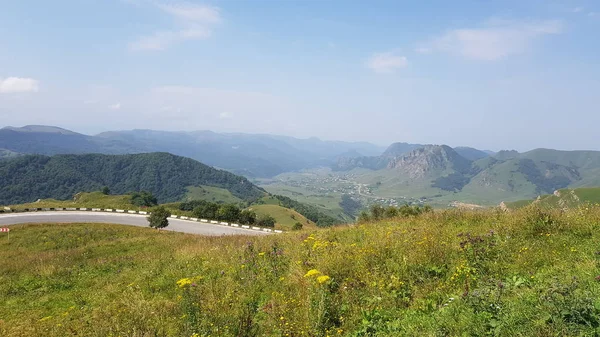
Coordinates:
[530,272]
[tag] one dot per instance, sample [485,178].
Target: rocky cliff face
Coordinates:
[418,163]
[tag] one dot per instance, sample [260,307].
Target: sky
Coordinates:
[496,74]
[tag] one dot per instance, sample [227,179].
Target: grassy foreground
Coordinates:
[450,273]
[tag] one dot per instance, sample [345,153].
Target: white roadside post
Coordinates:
[6,230]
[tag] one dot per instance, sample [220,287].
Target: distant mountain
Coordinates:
[347,163]
[28,178]
[394,152]
[246,154]
[49,140]
[397,149]
[471,153]
[506,154]
[429,159]
[438,172]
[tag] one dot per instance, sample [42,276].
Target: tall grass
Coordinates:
[531,272]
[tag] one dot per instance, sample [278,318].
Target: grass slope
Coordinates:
[564,198]
[84,200]
[285,218]
[211,193]
[451,273]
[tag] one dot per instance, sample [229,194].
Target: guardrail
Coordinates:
[125,211]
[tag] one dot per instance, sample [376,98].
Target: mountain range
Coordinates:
[433,172]
[441,172]
[246,154]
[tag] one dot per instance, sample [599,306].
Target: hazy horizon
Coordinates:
[382,145]
[497,75]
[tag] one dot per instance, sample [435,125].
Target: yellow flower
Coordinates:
[261,254]
[322,279]
[312,272]
[184,282]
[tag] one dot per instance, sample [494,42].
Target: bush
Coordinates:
[143,199]
[266,221]
[230,213]
[297,226]
[247,217]
[159,218]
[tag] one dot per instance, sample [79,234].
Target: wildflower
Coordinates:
[184,282]
[312,272]
[261,254]
[322,279]
[45,318]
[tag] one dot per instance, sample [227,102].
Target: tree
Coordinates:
[247,217]
[297,226]
[391,212]
[143,198]
[229,213]
[266,221]
[105,190]
[206,211]
[364,217]
[159,218]
[377,212]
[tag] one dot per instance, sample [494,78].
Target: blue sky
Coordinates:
[490,74]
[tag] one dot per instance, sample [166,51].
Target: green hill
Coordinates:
[561,199]
[285,217]
[168,177]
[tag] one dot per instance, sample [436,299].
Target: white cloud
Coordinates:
[577,9]
[196,22]
[162,40]
[16,84]
[115,106]
[495,41]
[192,12]
[386,62]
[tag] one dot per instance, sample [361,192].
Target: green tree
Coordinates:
[143,198]
[229,213]
[207,211]
[105,190]
[297,226]
[266,221]
[364,217]
[247,217]
[377,212]
[159,218]
[391,212]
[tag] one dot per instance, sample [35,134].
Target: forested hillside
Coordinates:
[28,178]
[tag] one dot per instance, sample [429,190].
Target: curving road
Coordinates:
[175,225]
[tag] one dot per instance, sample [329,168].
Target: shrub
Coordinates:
[159,218]
[297,226]
[143,199]
[266,221]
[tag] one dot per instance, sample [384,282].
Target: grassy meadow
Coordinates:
[529,272]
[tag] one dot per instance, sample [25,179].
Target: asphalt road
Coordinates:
[175,225]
